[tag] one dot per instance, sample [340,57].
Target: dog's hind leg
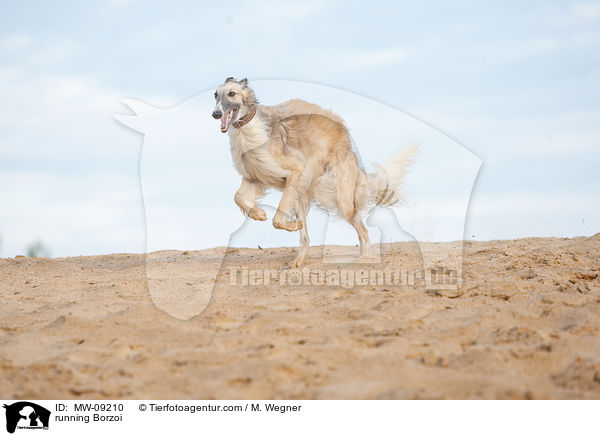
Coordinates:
[361,200]
[363,235]
[302,210]
[247,196]
[352,215]
[350,196]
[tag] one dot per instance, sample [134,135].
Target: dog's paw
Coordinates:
[256,213]
[289,225]
[368,258]
[296,263]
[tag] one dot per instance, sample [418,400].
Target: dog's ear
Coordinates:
[229,79]
[243,82]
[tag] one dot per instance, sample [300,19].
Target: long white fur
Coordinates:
[385,184]
[249,151]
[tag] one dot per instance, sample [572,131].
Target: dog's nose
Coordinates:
[217,114]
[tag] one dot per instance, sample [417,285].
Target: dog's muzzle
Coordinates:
[217,114]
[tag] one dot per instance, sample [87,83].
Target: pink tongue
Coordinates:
[224,123]
[226,120]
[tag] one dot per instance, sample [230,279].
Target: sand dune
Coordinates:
[525,324]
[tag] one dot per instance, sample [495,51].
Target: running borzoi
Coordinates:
[304,151]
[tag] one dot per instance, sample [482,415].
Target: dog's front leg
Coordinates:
[288,201]
[247,196]
[296,187]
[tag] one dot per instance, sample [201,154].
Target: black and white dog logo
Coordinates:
[26,415]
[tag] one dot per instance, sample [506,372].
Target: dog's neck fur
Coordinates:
[249,139]
[251,152]
[251,135]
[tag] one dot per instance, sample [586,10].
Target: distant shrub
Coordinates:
[37,249]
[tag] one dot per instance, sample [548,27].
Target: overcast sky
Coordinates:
[515,83]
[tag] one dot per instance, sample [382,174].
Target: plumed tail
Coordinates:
[385,184]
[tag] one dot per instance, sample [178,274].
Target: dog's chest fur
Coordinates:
[251,153]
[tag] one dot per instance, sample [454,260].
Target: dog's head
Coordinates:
[233,99]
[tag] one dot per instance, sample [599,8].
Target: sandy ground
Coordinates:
[525,324]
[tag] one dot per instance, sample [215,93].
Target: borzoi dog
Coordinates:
[304,151]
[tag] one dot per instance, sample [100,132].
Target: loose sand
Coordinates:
[525,324]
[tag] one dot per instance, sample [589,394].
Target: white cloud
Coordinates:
[72,213]
[121,3]
[587,12]
[511,51]
[52,54]
[371,59]
[521,214]
[7,74]
[69,172]
[16,42]
[271,10]
[587,38]
[575,14]
[569,133]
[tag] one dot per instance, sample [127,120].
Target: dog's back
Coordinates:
[300,107]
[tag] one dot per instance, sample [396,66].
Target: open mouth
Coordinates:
[226,119]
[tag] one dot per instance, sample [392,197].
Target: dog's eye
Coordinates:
[231,94]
